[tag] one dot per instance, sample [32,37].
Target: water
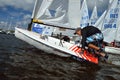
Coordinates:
[21,61]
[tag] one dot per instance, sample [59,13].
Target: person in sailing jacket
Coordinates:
[92,37]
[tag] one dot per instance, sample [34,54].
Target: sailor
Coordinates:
[92,37]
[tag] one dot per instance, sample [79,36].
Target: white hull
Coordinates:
[53,45]
[42,44]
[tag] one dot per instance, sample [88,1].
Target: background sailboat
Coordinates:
[99,22]
[84,16]
[94,16]
[109,23]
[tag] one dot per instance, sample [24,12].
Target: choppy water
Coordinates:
[20,61]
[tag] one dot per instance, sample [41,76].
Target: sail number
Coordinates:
[113,15]
[109,26]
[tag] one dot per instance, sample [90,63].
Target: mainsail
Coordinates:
[56,19]
[84,16]
[61,13]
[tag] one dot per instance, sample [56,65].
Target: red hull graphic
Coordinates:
[86,55]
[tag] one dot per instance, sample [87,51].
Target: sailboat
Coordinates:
[47,31]
[109,25]
[84,17]
[94,16]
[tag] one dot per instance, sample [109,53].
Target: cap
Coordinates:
[78,29]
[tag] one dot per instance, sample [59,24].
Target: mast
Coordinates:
[30,25]
[31,21]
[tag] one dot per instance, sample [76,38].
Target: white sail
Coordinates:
[57,13]
[117,36]
[74,13]
[58,9]
[40,7]
[110,1]
[48,13]
[94,16]
[84,18]
[99,22]
[110,22]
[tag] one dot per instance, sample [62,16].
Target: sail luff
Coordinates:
[33,13]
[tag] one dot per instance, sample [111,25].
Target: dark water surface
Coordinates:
[21,61]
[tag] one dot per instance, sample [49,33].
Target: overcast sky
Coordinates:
[19,11]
